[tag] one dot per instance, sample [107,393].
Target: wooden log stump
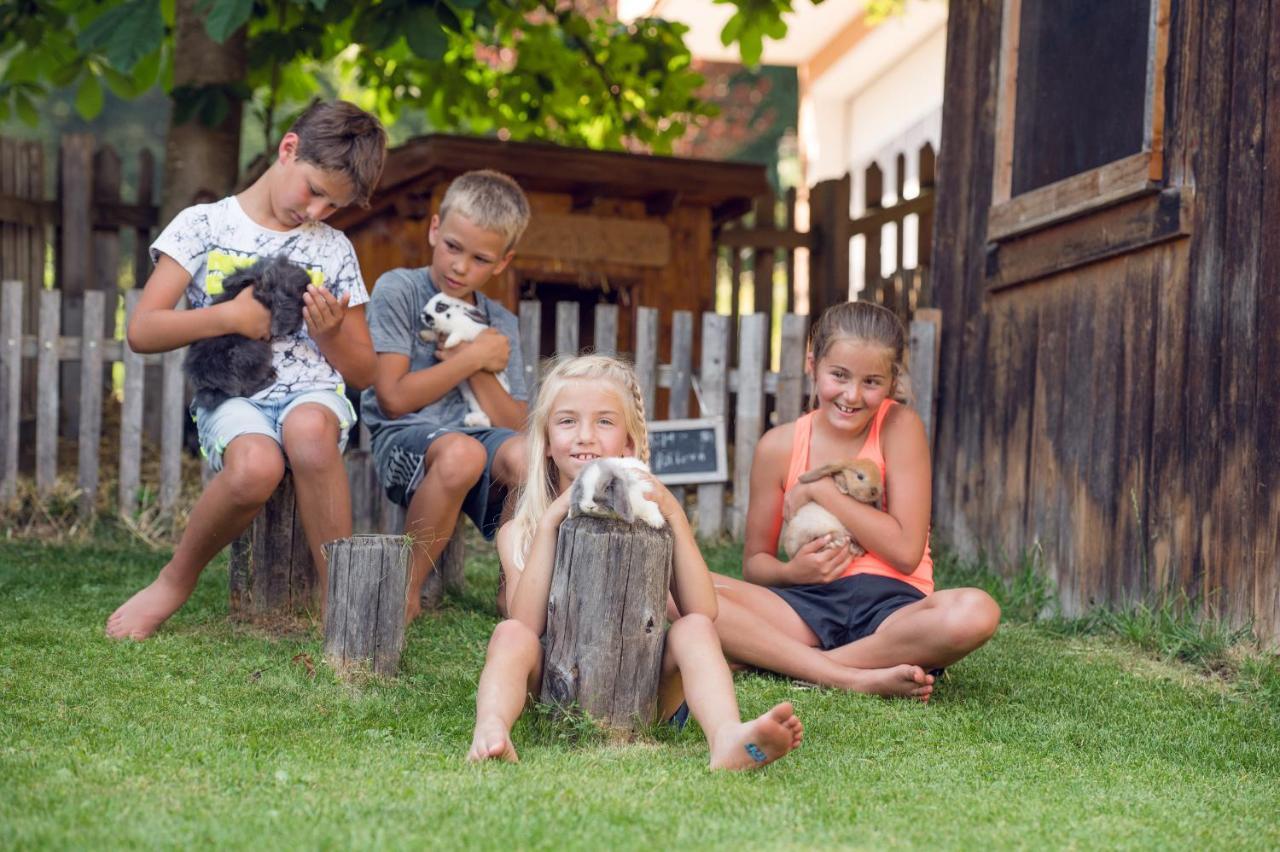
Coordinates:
[447,574]
[606,620]
[271,571]
[364,608]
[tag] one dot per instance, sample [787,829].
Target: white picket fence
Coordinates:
[735,385]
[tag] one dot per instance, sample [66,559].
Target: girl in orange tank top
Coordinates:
[873,623]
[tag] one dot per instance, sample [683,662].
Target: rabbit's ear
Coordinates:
[817,473]
[844,479]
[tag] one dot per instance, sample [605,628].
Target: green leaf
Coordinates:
[146,71]
[89,97]
[122,85]
[423,32]
[125,34]
[26,109]
[225,17]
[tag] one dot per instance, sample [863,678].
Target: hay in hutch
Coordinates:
[629,229]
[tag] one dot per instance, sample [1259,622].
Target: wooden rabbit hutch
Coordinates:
[630,229]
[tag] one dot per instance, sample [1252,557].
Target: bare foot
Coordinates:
[750,745]
[904,681]
[492,741]
[140,616]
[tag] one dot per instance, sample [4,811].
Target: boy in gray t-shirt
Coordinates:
[427,459]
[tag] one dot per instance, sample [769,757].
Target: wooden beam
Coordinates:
[1126,228]
[594,239]
[1072,197]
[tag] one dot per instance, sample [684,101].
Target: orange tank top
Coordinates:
[869,563]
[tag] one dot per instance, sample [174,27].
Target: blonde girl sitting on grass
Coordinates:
[587,408]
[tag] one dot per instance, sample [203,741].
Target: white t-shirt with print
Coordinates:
[211,241]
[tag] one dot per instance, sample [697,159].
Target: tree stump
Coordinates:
[364,608]
[271,571]
[447,574]
[606,620]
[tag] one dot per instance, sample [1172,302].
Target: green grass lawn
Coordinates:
[213,733]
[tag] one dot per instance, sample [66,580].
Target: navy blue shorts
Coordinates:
[401,457]
[847,609]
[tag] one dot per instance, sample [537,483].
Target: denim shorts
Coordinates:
[243,416]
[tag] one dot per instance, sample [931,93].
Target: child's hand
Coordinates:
[558,510]
[661,494]
[490,351]
[324,313]
[818,563]
[796,497]
[249,317]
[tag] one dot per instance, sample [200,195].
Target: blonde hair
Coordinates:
[540,480]
[863,322]
[491,200]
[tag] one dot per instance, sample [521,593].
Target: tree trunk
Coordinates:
[271,572]
[606,619]
[202,160]
[364,611]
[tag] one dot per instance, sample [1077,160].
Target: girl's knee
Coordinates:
[691,628]
[513,637]
[972,618]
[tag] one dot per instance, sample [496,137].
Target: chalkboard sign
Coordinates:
[687,451]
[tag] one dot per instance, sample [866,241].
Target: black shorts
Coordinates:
[847,609]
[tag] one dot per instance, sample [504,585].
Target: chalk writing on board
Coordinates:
[688,451]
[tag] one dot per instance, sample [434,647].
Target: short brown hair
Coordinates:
[340,137]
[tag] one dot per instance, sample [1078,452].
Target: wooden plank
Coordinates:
[790,395]
[131,418]
[90,401]
[1073,197]
[873,200]
[10,385]
[647,355]
[142,234]
[763,238]
[531,342]
[762,265]
[606,329]
[10,269]
[790,259]
[922,361]
[579,239]
[31,168]
[47,405]
[749,423]
[1006,99]
[35,212]
[681,374]
[75,258]
[924,228]
[567,329]
[105,255]
[173,410]
[1126,228]
[874,220]
[681,364]
[714,402]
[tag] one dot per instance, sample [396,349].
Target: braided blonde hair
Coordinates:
[541,479]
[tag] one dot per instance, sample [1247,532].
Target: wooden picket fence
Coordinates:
[730,382]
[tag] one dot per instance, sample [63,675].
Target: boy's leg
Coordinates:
[512,670]
[252,467]
[694,649]
[454,464]
[934,632]
[760,629]
[313,438]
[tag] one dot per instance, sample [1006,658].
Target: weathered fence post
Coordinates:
[364,609]
[606,620]
[271,570]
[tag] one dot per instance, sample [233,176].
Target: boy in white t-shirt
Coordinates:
[330,158]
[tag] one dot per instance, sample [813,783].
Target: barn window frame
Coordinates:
[1110,184]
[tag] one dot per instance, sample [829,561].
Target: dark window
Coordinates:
[551,292]
[1081,87]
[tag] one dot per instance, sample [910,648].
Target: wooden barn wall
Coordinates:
[1121,416]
